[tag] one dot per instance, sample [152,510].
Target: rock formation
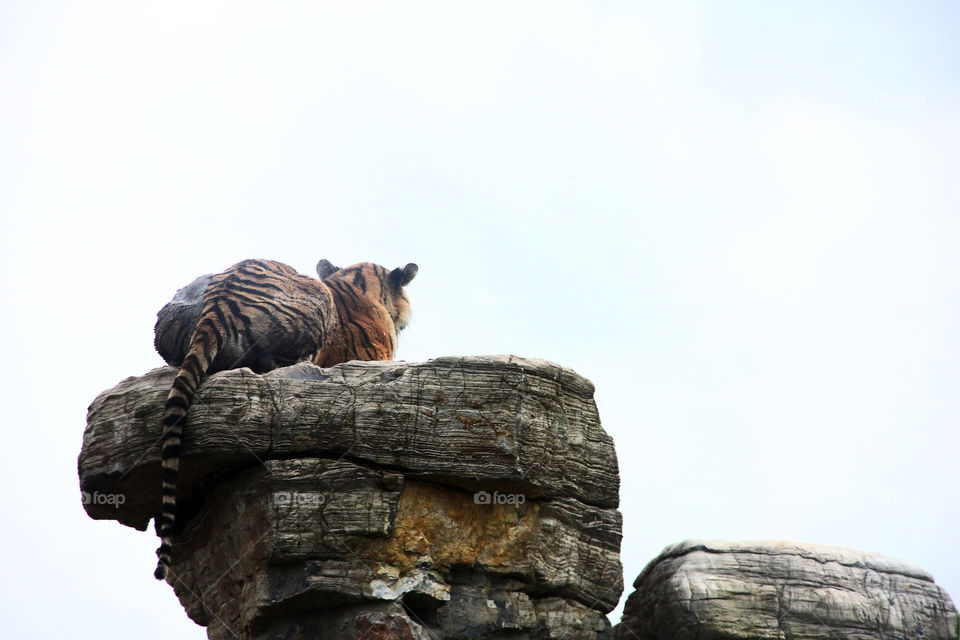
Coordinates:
[458,498]
[766,590]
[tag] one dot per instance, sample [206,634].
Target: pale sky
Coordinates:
[738,219]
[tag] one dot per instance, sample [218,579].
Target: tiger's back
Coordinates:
[263,315]
[272,316]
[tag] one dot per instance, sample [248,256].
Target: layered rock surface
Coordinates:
[764,590]
[457,498]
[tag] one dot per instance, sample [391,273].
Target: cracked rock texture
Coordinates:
[458,498]
[713,590]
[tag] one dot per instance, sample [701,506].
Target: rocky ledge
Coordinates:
[458,498]
[769,590]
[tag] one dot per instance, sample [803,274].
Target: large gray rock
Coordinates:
[177,320]
[496,422]
[713,590]
[457,498]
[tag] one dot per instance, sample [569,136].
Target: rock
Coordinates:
[746,590]
[457,498]
[177,320]
[503,423]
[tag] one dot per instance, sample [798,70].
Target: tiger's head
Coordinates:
[376,283]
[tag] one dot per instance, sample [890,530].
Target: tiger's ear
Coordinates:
[402,277]
[325,268]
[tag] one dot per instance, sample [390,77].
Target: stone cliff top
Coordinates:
[522,424]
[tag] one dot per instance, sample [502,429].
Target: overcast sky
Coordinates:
[738,219]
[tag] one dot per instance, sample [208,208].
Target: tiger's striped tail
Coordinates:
[206,343]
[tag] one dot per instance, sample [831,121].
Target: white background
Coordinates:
[738,219]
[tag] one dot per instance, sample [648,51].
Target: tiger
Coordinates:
[263,315]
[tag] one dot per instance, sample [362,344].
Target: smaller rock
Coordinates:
[177,320]
[772,589]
